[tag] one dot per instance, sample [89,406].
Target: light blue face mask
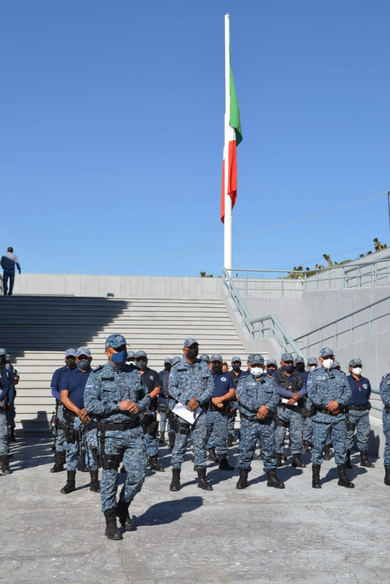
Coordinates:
[119,358]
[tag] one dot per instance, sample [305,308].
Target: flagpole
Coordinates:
[228,229]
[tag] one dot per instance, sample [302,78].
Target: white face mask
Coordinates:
[357,371]
[328,363]
[312,367]
[257,371]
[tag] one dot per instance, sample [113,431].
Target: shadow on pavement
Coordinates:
[30,451]
[168,511]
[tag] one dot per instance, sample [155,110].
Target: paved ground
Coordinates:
[259,535]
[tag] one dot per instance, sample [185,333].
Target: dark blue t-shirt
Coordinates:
[55,381]
[75,381]
[360,391]
[223,384]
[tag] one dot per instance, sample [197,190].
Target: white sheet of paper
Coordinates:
[184,412]
[285,401]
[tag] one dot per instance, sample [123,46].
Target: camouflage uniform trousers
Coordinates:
[386,431]
[164,420]
[232,418]
[334,431]
[294,418]
[128,446]
[4,443]
[217,428]
[60,436]
[361,421]
[199,441]
[73,448]
[251,432]
[307,429]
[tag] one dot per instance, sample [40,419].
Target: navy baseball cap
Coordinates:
[205,357]
[356,363]
[168,360]
[272,362]
[140,354]
[299,360]
[70,353]
[115,341]
[286,357]
[312,361]
[190,341]
[216,357]
[256,359]
[326,352]
[236,359]
[83,351]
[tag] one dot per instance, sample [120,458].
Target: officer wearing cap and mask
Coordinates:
[358,413]
[236,373]
[77,422]
[4,391]
[60,451]
[329,392]
[292,390]
[163,399]
[218,412]
[191,384]
[116,398]
[257,396]
[13,376]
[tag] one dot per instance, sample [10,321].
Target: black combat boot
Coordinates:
[175,484]
[212,455]
[162,438]
[230,440]
[154,464]
[82,467]
[279,460]
[242,482]
[316,476]
[94,486]
[348,463]
[70,483]
[273,480]
[59,460]
[112,531]
[122,511]
[202,481]
[4,465]
[327,452]
[364,459]
[297,462]
[387,476]
[343,480]
[171,438]
[223,463]
[307,445]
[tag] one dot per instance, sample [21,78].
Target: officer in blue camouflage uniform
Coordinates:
[116,398]
[218,412]
[236,373]
[191,384]
[4,443]
[163,400]
[60,452]
[384,389]
[358,413]
[292,390]
[329,393]
[257,397]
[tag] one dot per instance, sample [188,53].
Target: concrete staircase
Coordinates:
[36,331]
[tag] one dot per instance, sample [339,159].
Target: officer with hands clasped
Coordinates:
[358,413]
[191,384]
[257,396]
[5,386]
[116,398]
[329,393]
[384,389]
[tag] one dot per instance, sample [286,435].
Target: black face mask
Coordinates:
[193,353]
[300,367]
[70,362]
[141,364]
[168,366]
[217,369]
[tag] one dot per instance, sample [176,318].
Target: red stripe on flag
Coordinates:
[232,178]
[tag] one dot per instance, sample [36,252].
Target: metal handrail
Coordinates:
[286,342]
[238,302]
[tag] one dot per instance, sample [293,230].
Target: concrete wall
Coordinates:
[120,286]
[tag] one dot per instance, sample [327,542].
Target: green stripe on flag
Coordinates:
[234,120]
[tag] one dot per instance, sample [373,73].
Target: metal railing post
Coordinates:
[344,279]
[359,282]
[282,288]
[370,321]
[335,336]
[351,329]
[305,283]
[246,283]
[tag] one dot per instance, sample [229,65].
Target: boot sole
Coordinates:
[174,488]
[281,486]
[116,537]
[347,486]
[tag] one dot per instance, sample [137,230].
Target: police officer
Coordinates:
[271,366]
[291,389]
[60,451]
[13,375]
[257,396]
[191,384]
[116,398]
[149,420]
[358,413]
[4,390]
[163,399]
[384,389]
[218,412]
[236,373]
[77,421]
[329,392]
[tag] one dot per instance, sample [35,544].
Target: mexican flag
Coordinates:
[232,140]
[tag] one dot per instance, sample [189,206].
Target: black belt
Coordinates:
[121,427]
[326,411]
[360,408]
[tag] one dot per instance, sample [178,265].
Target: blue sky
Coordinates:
[111,133]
